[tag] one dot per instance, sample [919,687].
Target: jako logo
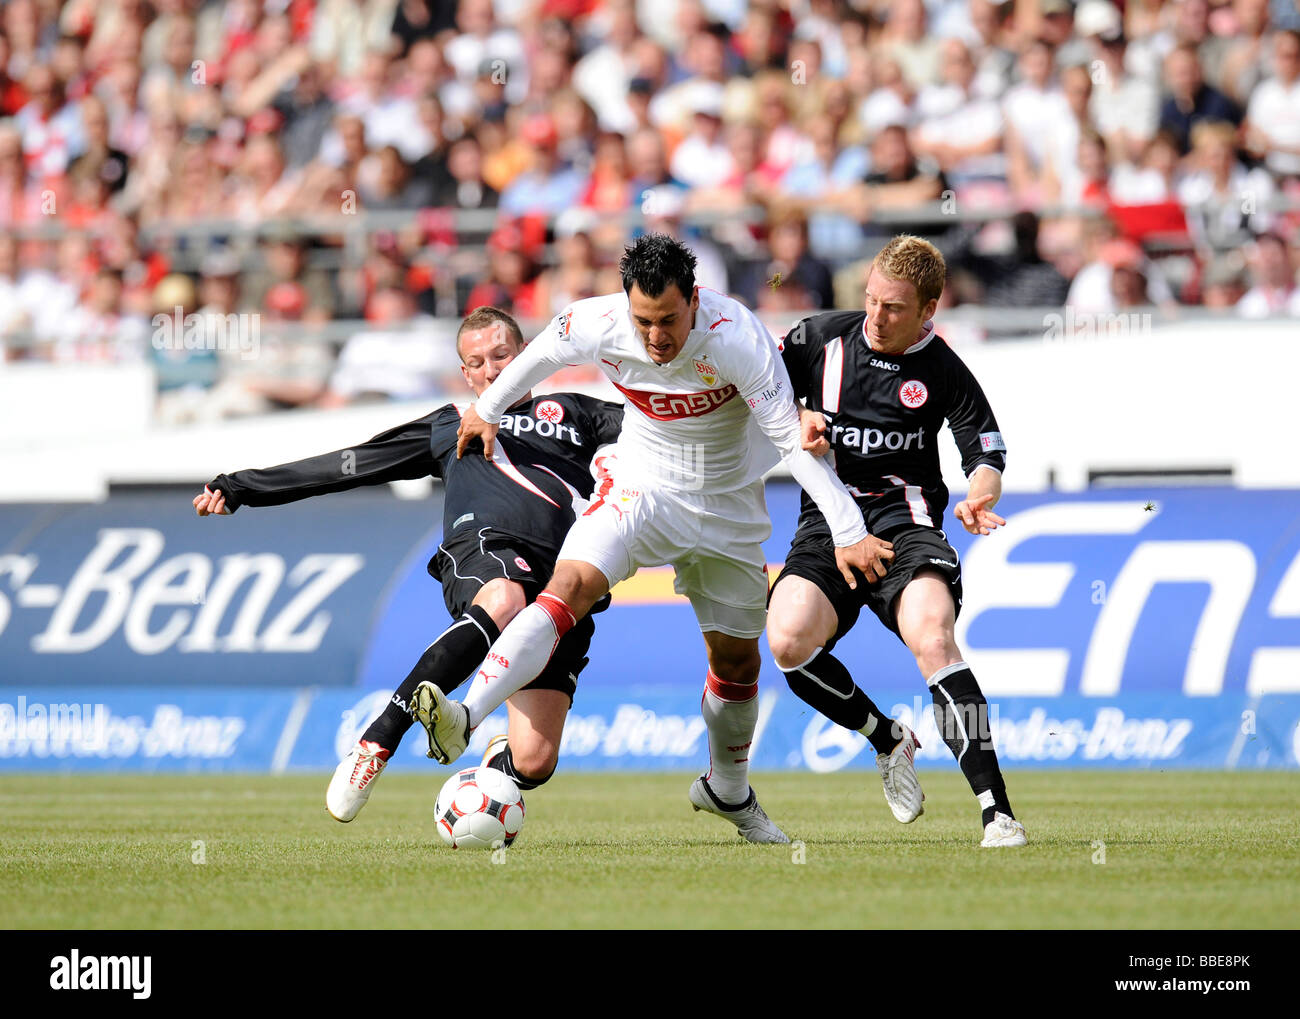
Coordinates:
[102,973]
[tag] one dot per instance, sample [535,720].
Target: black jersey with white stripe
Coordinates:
[884,413]
[540,465]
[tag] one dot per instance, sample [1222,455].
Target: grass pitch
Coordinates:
[1201,850]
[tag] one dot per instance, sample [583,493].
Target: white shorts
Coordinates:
[714,543]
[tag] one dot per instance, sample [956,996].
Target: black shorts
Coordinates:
[472,558]
[812,556]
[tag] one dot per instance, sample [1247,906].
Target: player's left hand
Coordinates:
[870,556]
[976,516]
[210,501]
[812,430]
[474,427]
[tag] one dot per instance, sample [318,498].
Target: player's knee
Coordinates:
[932,645]
[578,591]
[933,649]
[502,600]
[737,667]
[790,648]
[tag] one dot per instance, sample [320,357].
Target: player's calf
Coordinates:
[447,662]
[523,769]
[963,718]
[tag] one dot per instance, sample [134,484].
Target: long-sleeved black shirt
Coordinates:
[884,413]
[541,465]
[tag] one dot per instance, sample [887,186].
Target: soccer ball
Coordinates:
[479,808]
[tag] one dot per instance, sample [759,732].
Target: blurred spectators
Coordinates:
[411,362]
[792,266]
[1227,202]
[307,161]
[547,186]
[187,366]
[1191,101]
[1273,113]
[1018,278]
[1273,288]
[287,281]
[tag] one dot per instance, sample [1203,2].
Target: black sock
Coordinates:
[826,684]
[963,717]
[505,762]
[448,662]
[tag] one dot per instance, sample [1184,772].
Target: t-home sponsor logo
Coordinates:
[75,972]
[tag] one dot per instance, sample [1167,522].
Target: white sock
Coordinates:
[518,656]
[731,712]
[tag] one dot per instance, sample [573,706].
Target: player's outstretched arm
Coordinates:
[399,453]
[976,511]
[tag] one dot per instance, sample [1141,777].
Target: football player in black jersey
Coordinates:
[877,387]
[504,521]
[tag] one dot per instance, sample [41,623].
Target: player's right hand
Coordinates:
[869,556]
[210,501]
[812,429]
[474,427]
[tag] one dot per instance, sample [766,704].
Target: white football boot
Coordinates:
[496,745]
[748,818]
[354,778]
[902,786]
[1004,831]
[446,722]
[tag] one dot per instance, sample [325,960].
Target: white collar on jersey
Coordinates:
[927,334]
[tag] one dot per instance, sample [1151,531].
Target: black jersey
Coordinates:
[884,413]
[541,463]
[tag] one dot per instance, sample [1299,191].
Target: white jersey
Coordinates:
[713,420]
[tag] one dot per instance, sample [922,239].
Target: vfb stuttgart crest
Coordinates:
[913,393]
[707,372]
[549,410]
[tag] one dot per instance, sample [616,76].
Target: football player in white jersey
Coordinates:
[709,410]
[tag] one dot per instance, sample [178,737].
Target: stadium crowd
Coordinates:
[225,157]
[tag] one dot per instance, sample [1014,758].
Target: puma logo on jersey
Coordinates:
[718,323]
[612,364]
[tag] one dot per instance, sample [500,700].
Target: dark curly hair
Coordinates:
[653,261]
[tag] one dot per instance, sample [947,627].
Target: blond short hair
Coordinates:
[1211,132]
[916,261]
[482,318]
